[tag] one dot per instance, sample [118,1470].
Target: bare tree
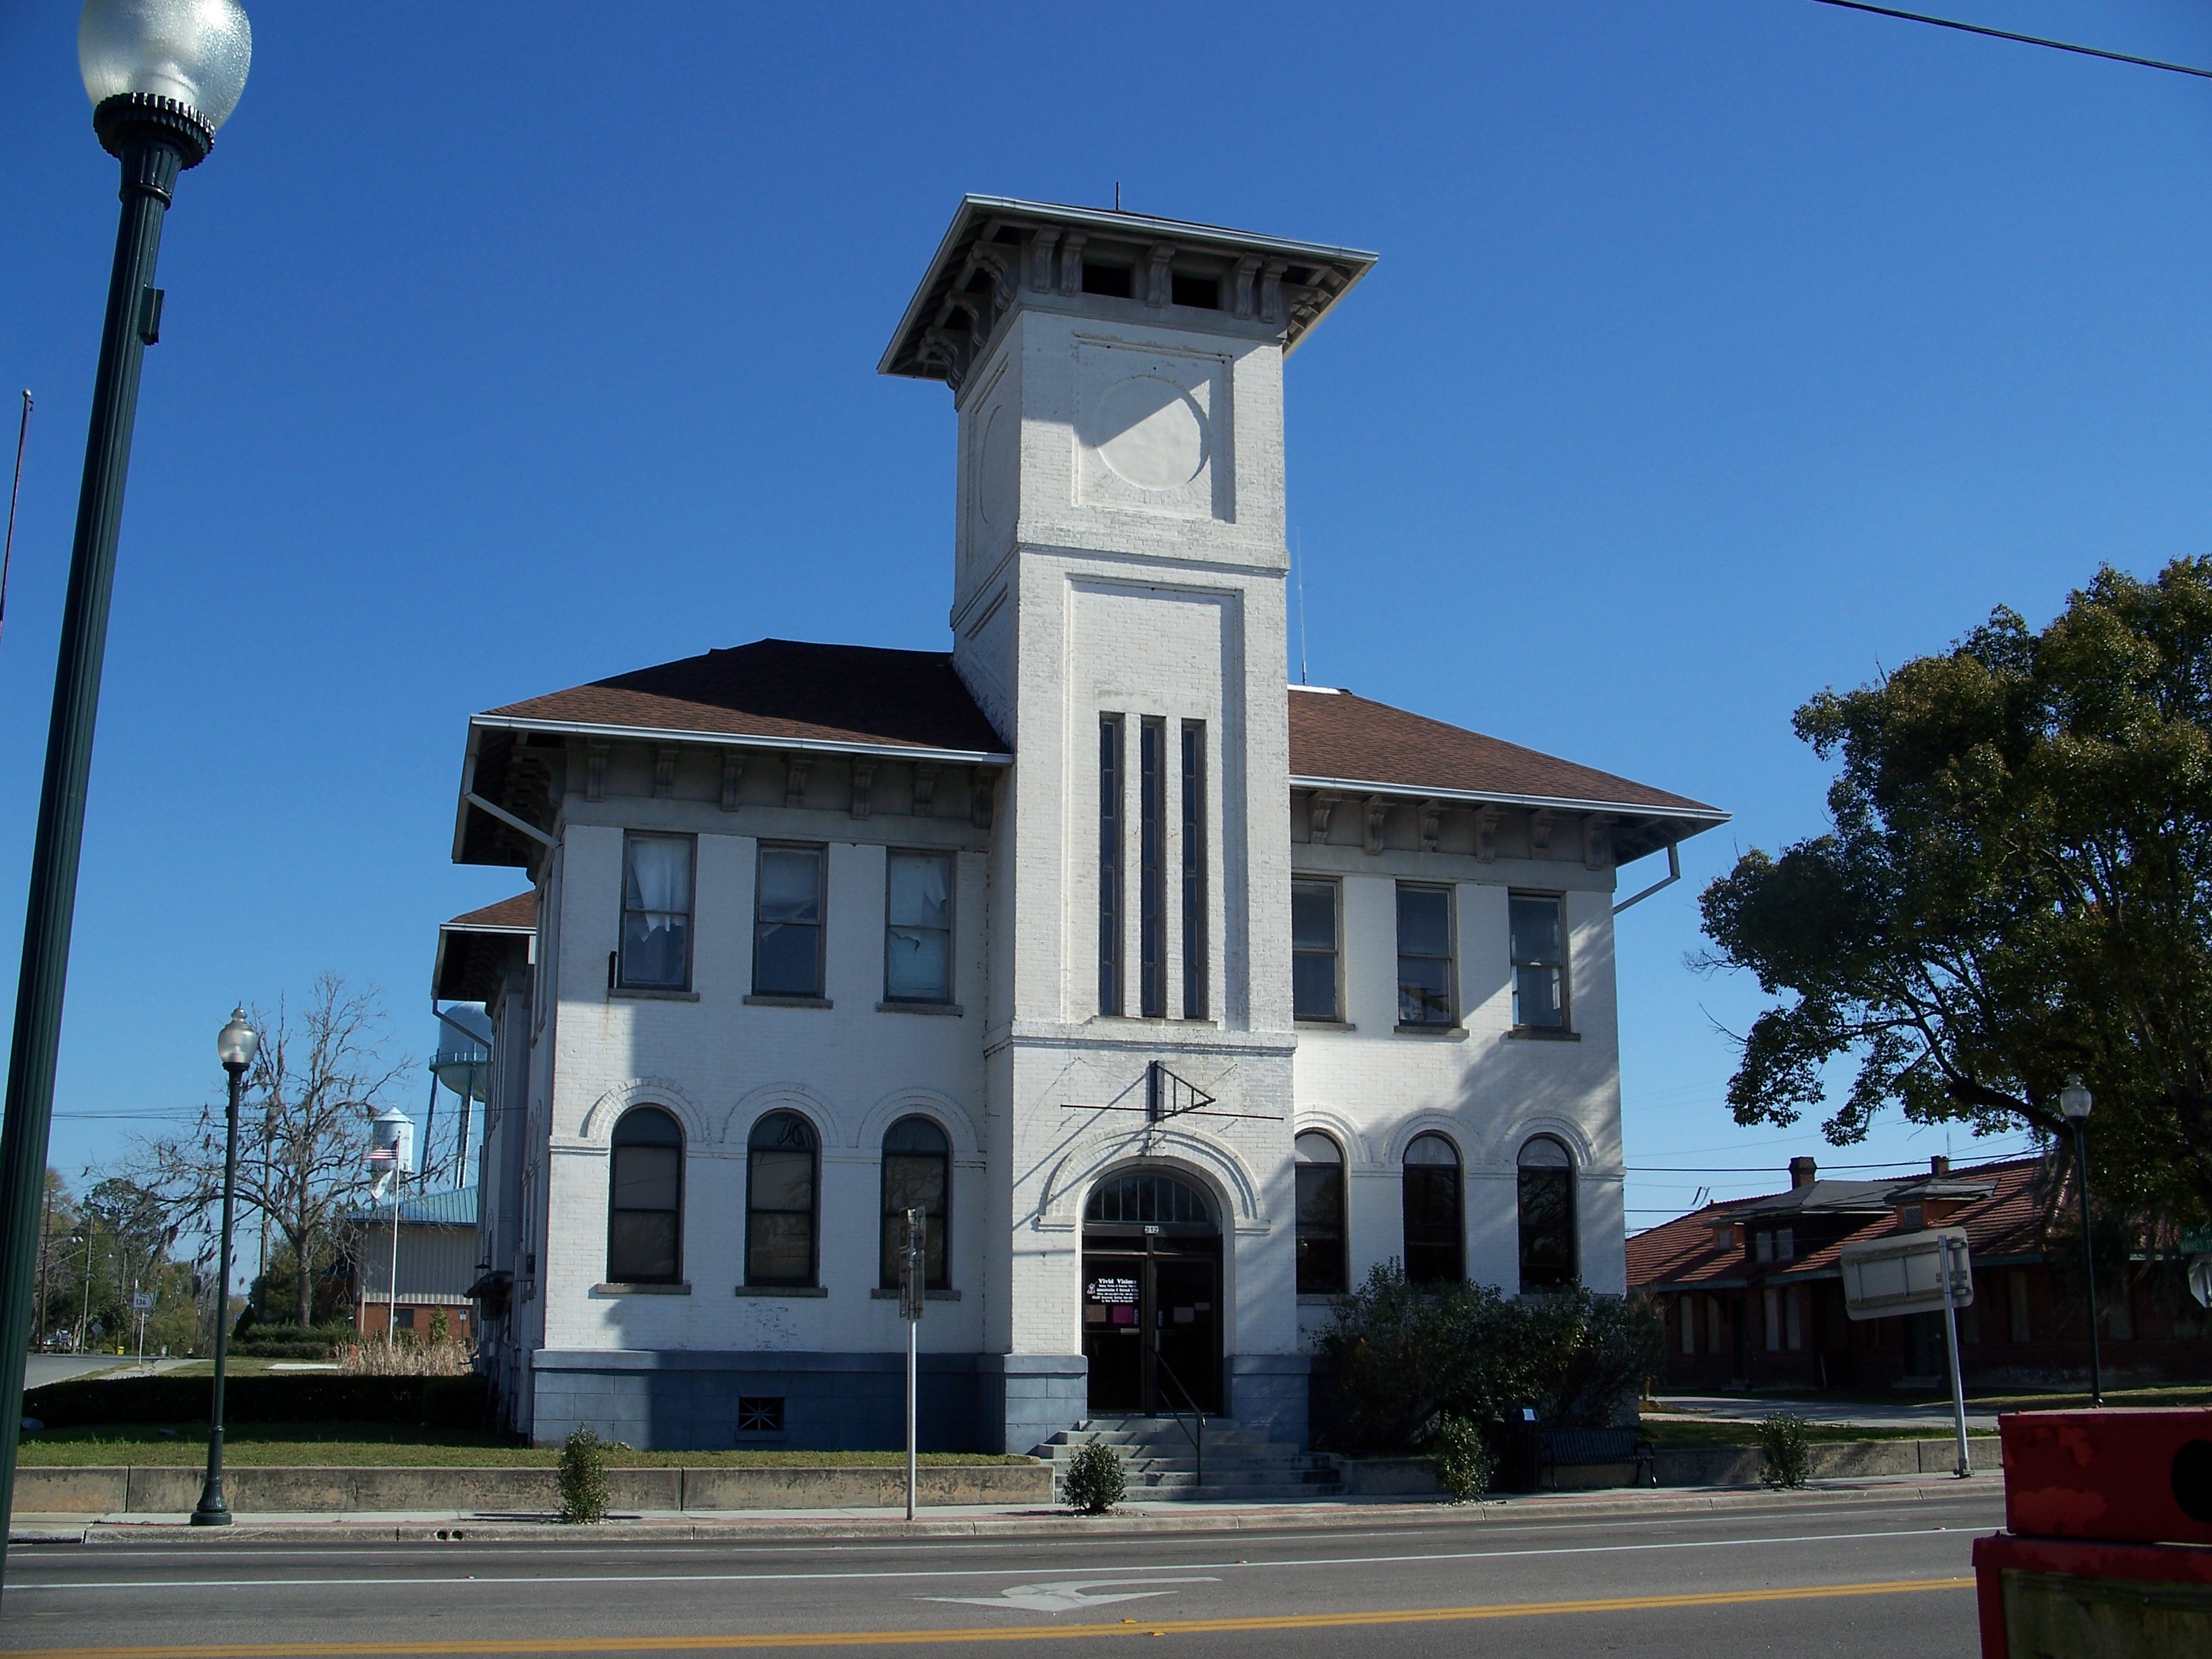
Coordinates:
[316,1083]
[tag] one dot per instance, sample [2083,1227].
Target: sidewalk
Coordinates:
[1932,1416]
[961,1520]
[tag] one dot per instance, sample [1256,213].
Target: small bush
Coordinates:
[1787,1443]
[583,1479]
[408,1357]
[1464,1461]
[1402,1357]
[1094,1482]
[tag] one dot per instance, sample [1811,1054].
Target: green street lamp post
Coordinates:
[162,76]
[2075,1101]
[235,1045]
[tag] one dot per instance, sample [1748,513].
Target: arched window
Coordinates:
[1321,1215]
[1434,1238]
[779,1201]
[645,1200]
[917,1176]
[1148,1198]
[1547,1215]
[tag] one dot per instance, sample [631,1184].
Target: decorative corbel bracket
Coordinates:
[1486,835]
[1432,824]
[794,779]
[1597,842]
[663,771]
[1320,806]
[1070,263]
[1040,251]
[733,778]
[1155,277]
[864,784]
[982,795]
[924,788]
[595,769]
[1377,813]
[1541,825]
[1247,269]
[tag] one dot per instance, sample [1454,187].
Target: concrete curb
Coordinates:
[171,1530]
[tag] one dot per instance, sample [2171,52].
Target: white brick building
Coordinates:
[1179,995]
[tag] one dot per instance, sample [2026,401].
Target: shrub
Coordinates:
[407,1357]
[1094,1482]
[1465,1464]
[1404,1356]
[583,1478]
[1783,1436]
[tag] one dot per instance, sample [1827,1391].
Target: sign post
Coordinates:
[1916,1273]
[913,1283]
[141,1304]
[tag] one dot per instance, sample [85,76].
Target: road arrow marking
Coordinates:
[1066,1594]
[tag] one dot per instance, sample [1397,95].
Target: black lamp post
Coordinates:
[162,76]
[236,1045]
[2075,1101]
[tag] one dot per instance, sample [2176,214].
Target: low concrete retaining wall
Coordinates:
[260,1491]
[1693,1466]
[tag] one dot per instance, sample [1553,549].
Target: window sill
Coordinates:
[1320,1298]
[620,1289]
[650,994]
[758,1001]
[783,1290]
[952,1009]
[882,1295]
[1313,1024]
[1449,1033]
[1541,1034]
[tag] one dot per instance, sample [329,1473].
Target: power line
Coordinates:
[2024,39]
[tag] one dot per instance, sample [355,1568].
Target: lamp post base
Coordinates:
[212,1511]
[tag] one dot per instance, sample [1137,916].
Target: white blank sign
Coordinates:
[1903,1273]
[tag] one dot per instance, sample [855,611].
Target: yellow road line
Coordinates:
[865,1639]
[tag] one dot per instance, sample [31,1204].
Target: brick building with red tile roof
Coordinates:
[1751,1289]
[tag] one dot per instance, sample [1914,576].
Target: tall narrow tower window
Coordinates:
[1194,870]
[1110,864]
[1151,946]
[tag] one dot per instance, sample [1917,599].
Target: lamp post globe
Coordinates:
[162,76]
[2074,1104]
[238,1043]
[193,53]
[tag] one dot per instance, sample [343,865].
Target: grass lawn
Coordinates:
[362,1445]
[1668,1432]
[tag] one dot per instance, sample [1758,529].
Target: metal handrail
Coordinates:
[1198,1439]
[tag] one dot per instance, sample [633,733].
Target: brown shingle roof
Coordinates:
[1682,1253]
[785,690]
[520,911]
[1340,737]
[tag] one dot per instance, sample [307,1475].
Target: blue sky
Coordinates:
[1719,351]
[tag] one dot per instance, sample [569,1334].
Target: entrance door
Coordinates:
[1153,1317]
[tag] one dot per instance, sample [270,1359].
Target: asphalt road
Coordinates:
[1803,1574]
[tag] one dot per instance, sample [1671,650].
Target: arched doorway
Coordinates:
[1151,1294]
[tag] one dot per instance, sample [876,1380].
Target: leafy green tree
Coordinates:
[2016,885]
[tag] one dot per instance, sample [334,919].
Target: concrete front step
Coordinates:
[1159,1461]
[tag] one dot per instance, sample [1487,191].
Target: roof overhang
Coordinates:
[742,740]
[1000,234]
[466,967]
[1640,829]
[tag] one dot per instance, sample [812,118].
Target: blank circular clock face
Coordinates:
[1149,432]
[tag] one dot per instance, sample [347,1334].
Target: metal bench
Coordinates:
[1574,1448]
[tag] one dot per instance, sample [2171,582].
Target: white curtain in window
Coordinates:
[657,906]
[918,954]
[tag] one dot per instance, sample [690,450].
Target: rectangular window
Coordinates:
[656,923]
[1774,1300]
[1194,952]
[760,1413]
[1792,1313]
[1762,1247]
[1313,950]
[1687,1310]
[1785,1244]
[403,1318]
[1540,962]
[1151,947]
[788,921]
[1110,864]
[1424,960]
[918,928]
[2016,1304]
